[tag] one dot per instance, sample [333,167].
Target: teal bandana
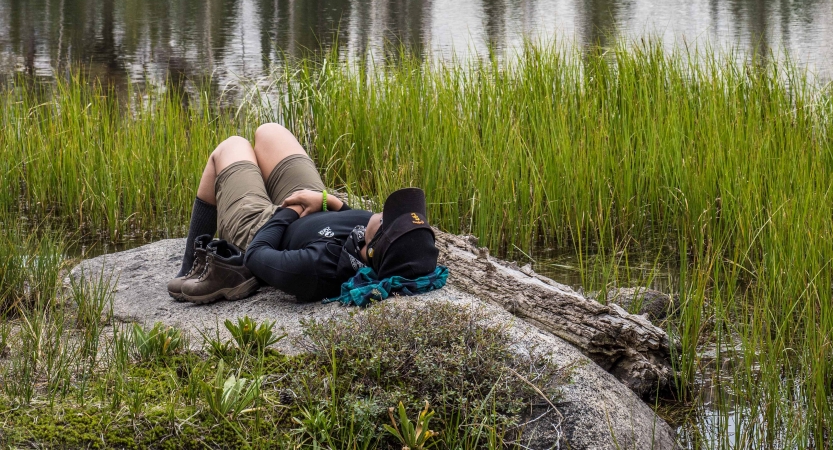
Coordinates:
[364,287]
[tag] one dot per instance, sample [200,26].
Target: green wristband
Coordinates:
[324,200]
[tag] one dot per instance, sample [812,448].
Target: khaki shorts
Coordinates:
[244,203]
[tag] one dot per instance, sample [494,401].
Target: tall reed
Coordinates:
[117,164]
[729,164]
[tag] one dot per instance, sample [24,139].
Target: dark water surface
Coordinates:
[228,39]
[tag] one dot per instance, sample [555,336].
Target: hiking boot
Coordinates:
[175,285]
[224,276]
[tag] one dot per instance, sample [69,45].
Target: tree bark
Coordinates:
[626,345]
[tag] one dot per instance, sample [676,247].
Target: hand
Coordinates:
[304,202]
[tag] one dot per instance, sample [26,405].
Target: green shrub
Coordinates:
[316,426]
[219,348]
[435,352]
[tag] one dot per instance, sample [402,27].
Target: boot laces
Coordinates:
[208,260]
[193,266]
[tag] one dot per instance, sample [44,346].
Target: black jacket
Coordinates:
[303,256]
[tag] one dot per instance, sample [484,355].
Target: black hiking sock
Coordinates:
[203,221]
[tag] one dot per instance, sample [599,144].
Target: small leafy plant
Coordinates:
[412,436]
[232,396]
[249,335]
[157,343]
[216,346]
[219,349]
[317,425]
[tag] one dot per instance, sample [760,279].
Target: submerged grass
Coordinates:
[727,165]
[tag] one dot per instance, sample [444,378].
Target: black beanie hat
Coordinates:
[404,245]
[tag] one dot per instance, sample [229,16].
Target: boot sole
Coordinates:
[177,296]
[242,290]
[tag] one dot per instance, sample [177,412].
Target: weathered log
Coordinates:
[626,345]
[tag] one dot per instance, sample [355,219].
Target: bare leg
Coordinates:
[204,212]
[273,143]
[230,151]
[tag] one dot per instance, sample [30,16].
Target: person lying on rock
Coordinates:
[270,202]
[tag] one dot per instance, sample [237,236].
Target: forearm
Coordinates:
[311,202]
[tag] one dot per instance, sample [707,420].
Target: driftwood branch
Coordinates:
[626,345]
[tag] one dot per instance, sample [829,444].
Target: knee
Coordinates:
[269,131]
[231,143]
[235,142]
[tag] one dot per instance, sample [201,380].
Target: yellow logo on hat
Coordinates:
[416,218]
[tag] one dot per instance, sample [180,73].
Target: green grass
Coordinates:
[725,168]
[31,258]
[112,165]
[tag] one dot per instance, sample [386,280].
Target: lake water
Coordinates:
[228,39]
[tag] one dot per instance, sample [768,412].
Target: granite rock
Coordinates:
[596,411]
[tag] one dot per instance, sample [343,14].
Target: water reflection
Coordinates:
[648,268]
[227,39]
[600,21]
